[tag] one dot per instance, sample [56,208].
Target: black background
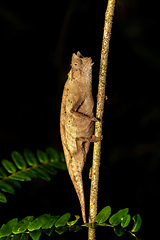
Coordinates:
[37,40]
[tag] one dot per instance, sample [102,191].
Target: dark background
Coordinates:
[37,40]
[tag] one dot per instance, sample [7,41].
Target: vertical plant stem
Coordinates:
[99,113]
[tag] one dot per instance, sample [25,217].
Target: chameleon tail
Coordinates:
[82,203]
[76,178]
[75,171]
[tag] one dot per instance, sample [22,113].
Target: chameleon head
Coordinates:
[82,66]
[77,61]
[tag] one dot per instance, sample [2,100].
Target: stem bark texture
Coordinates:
[99,113]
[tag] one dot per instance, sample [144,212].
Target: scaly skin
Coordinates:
[77,121]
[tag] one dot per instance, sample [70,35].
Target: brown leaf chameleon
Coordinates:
[77,121]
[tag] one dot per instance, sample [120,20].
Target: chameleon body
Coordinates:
[77,121]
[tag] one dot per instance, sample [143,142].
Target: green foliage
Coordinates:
[62,221]
[46,223]
[119,221]
[27,166]
[125,220]
[29,226]
[103,215]
[71,223]
[118,217]
[137,223]
[119,231]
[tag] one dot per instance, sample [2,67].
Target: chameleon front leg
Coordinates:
[75,108]
[90,139]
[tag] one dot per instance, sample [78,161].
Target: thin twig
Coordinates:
[99,112]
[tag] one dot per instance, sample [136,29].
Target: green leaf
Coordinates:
[119,231]
[16,237]
[32,173]
[137,223]
[19,160]
[60,165]
[48,231]
[41,174]
[35,235]
[45,218]
[14,183]
[117,217]
[6,229]
[6,187]
[61,230]
[9,166]
[75,228]
[20,176]
[30,158]
[62,221]
[53,155]
[71,223]
[50,222]
[125,220]
[38,222]
[2,173]
[22,225]
[24,236]
[12,223]
[103,215]
[42,157]
[2,198]
[62,157]
[48,168]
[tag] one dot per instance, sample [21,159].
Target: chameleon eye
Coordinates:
[76,65]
